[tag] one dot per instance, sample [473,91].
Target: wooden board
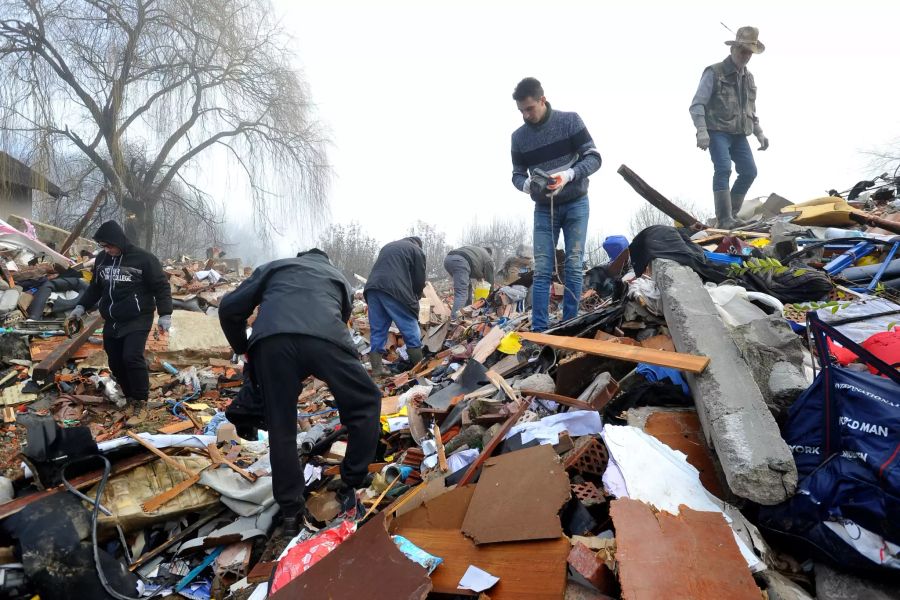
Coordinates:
[437,305]
[662,358]
[488,344]
[59,355]
[529,570]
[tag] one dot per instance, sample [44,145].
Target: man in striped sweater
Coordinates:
[553,155]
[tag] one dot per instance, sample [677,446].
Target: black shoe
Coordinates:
[291,526]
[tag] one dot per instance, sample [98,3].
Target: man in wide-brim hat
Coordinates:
[724,113]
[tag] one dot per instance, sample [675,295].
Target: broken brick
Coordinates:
[589,565]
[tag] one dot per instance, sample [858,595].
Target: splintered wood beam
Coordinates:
[58,357]
[665,205]
[219,459]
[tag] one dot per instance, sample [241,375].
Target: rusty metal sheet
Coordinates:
[367,565]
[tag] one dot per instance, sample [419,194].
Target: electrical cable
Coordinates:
[107,468]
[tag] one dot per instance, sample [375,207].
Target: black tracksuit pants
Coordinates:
[279,364]
[127,363]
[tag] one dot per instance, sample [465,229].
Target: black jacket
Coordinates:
[305,295]
[481,265]
[399,271]
[129,287]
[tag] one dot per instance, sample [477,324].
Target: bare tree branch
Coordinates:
[172,79]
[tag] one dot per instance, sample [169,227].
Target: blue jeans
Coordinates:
[384,309]
[725,148]
[572,219]
[460,273]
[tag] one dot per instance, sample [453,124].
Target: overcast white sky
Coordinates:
[417,98]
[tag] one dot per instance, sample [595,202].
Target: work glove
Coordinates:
[702,138]
[763,141]
[77,312]
[560,180]
[165,323]
[526,187]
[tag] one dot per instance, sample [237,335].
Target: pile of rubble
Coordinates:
[720,421]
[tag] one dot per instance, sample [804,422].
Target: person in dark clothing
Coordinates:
[463,265]
[129,284]
[392,292]
[286,346]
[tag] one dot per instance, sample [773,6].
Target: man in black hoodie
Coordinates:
[393,291]
[301,330]
[129,284]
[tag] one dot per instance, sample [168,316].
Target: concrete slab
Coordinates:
[835,585]
[755,459]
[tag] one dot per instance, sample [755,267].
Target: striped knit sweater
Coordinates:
[558,142]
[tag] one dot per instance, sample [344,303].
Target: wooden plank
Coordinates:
[662,358]
[567,401]
[658,200]
[528,570]
[154,503]
[437,305]
[58,357]
[488,344]
[176,427]
[495,441]
[165,457]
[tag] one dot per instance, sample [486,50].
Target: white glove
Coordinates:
[702,138]
[77,312]
[763,141]
[164,322]
[560,180]
[526,187]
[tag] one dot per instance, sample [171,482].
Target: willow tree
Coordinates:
[178,78]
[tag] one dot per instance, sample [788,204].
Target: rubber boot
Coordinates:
[377,364]
[415,355]
[737,201]
[724,218]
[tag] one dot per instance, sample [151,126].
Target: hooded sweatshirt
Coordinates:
[128,287]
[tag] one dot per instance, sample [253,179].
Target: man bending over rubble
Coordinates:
[553,155]
[463,265]
[301,330]
[129,284]
[392,292]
